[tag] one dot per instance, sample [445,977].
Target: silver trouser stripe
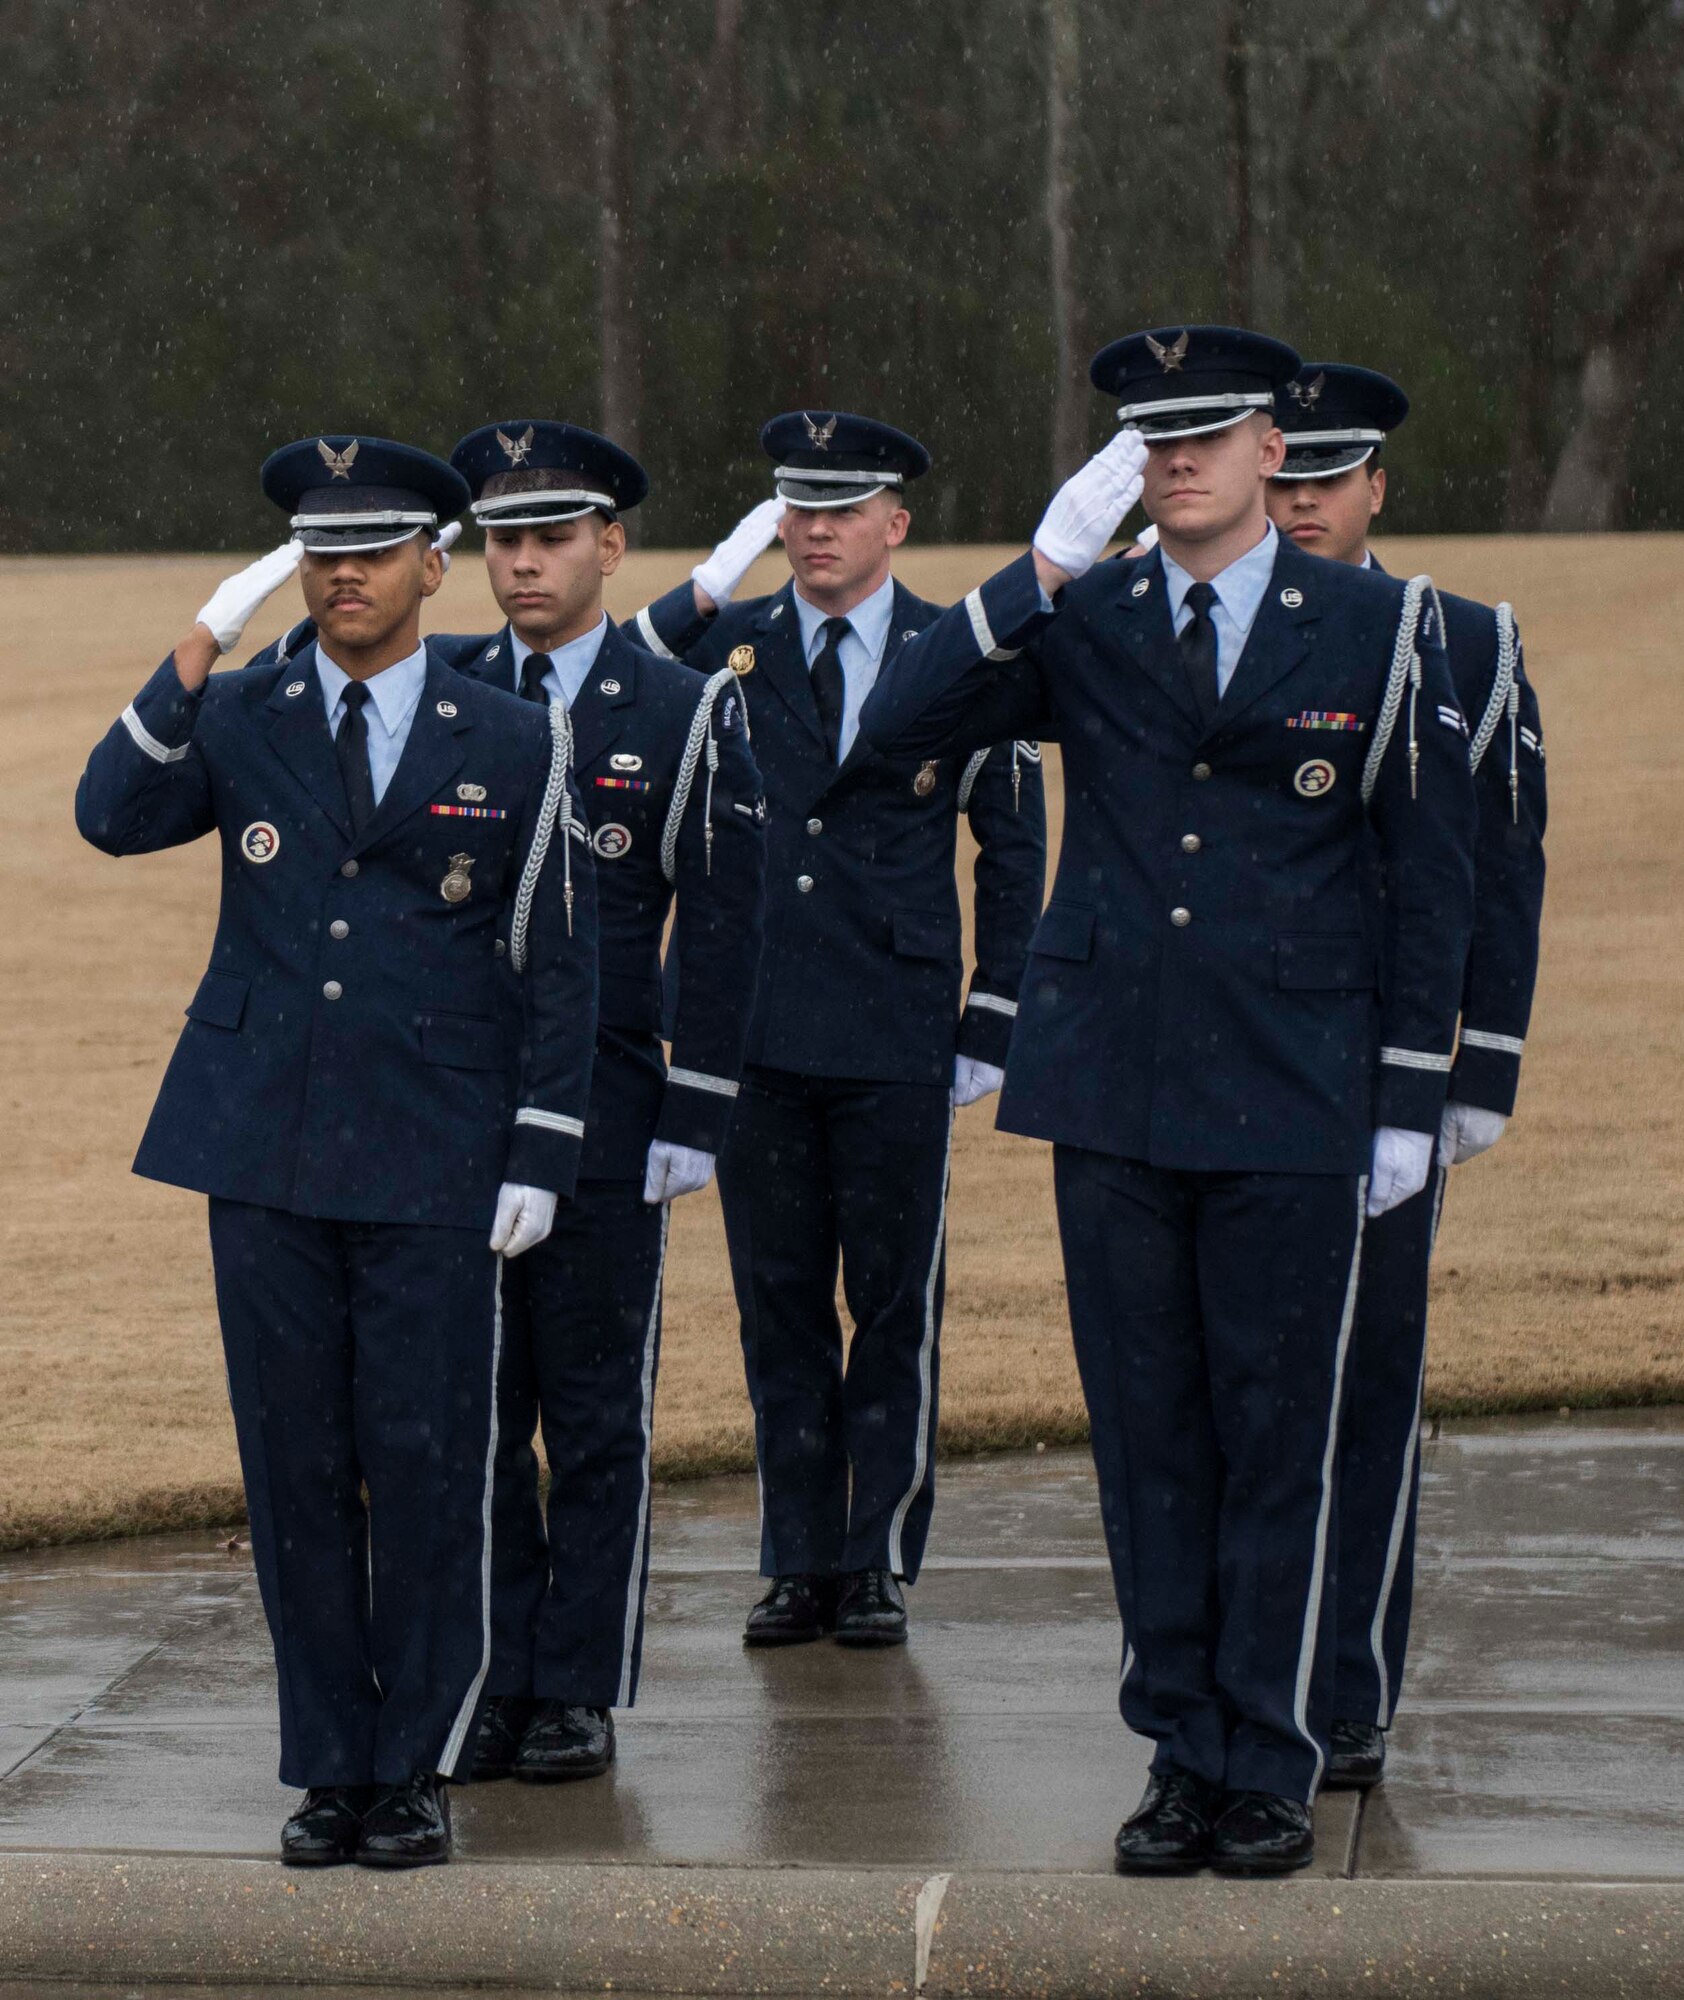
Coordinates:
[651,638]
[981,630]
[470,1701]
[1503,1045]
[160,753]
[926,1351]
[991,1003]
[551,1121]
[1400,1511]
[1318,1565]
[696,1079]
[634,1582]
[1415,1059]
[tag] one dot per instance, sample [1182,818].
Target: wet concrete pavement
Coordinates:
[1541,1732]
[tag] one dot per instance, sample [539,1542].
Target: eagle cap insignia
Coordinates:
[1307,394]
[516,448]
[1171,357]
[819,435]
[338,463]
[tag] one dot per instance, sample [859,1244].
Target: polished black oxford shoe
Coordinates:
[565,1741]
[1358,1757]
[1169,1831]
[795,1610]
[500,1730]
[407,1826]
[1261,1833]
[326,1828]
[870,1610]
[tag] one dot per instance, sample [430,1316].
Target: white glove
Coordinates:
[1402,1162]
[445,540]
[973,1079]
[524,1217]
[675,1170]
[753,535]
[1468,1131]
[1088,508]
[232,603]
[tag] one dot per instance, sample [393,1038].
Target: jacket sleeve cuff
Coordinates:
[696,1109]
[161,717]
[985,1027]
[544,1151]
[670,625]
[1409,1089]
[1006,608]
[1487,1071]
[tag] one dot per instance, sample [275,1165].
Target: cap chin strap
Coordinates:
[1239,400]
[517,507]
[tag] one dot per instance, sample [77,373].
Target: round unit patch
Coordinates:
[294,689]
[611,840]
[260,842]
[447,709]
[1292,598]
[1140,586]
[1314,779]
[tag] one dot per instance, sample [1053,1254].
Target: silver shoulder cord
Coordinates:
[1021,752]
[700,741]
[1505,700]
[556,810]
[1405,674]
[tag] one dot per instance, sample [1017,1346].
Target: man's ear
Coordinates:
[611,546]
[432,570]
[1376,491]
[896,528]
[1272,453]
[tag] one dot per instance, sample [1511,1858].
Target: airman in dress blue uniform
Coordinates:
[1331,485]
[858,1044]
[673,804]
[363,1107]
[1203,1034]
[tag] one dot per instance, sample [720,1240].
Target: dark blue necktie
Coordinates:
[1198,649]
[351,746]
[830,686]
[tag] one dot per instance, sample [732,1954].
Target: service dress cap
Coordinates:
[1184,381]
[526,471]
[827,458]
[349,494]
[1335,417]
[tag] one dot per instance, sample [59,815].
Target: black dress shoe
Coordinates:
[500,1730]
[1169,1831]
[407,1826]
[326,1828]
[1358,1757]
[870,1610]
[564,1741]
[1261,1833]
[795,1610]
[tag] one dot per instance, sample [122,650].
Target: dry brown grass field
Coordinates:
[1560,1271]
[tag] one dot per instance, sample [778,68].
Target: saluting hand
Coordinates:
[1088,509]
[525,1216]
[717,577]
[227,611]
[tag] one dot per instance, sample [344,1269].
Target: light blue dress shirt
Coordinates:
[569,664]
[862,651]
[394,693]
[1239,594]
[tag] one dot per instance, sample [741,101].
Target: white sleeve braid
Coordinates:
[700,740]
[556,810]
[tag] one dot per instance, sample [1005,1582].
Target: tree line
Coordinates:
[232,224]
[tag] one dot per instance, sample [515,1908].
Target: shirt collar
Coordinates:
[869,618]
[571,661]
[1239,588]
[395,690]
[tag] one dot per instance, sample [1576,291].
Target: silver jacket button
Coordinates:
[332,990]
[1201,772]
[1191,843]
[339,928]
[815,826]
[347,868]
[1180,918]
[804,883]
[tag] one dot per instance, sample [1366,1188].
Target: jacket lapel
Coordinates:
[433,754]
[776,635]
[1281,633]
[298,733]
[904,623]
[1147,633]
[604,694]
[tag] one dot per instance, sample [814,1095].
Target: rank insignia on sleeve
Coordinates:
[1452,718]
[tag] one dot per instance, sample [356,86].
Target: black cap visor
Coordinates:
[356,521]
[1193,416]
[535,510]
[805,486]
[1325,454]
